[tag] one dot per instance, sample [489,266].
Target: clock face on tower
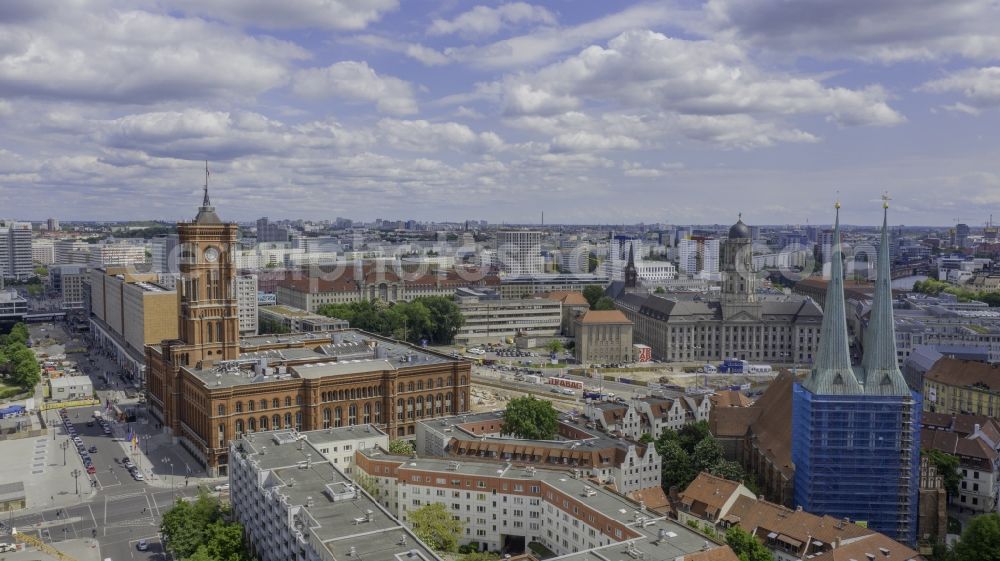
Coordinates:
[211,254]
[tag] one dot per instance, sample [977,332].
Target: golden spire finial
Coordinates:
[885,199]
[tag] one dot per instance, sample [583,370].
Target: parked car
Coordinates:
[137,475]
[92,449]
[223,487]
[142,545]
[91,469]
[7,548]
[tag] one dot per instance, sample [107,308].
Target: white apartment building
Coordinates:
[72,252]
[116,254]
[648,271]
[43,252]
[698,256]
[488,318]
[294,504]
[503,507]
[246,302]
[15,250]
[520,252]
[339,444]
[648,415]
[165,254]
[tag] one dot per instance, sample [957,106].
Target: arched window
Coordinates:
[239,427]
[239,406]
[251,424]
[288,401]
[250,405]
[420,406]
[298,421]
[461,381]
[326,418]
[368,413]
[275,403]
[263,404]
[447,402]
[440,403]
[353,396]
[440,382]
[352,415]
[420,385]
[401,387]
[409,387]
[430,404]
[275,421]
[378,411]
[263,423]
[288,420]
[409,408]
[222,409]
[322,396]
[298,400]
[338,418]
[399,409]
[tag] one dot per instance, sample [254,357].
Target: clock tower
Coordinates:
[208,322]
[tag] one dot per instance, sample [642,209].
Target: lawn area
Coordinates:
[7,391]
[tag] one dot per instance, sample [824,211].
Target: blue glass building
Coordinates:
[856,429]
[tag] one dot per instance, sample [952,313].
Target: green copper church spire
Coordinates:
[832,373]
[879,367]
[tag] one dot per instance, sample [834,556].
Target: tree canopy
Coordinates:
[401,447]
[947,467]
[436,527]
[604,303]
[980,540]
[554,346]
[691,450]
[18,364]
[197,531]
[745,546]
[530,418]
[593,293]
[435,319]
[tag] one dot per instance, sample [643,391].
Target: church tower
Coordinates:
[739,283]
[631,273]
[208,322]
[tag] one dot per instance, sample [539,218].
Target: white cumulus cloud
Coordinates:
[483,21]
[357,81]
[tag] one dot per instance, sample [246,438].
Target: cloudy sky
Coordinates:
[678,112]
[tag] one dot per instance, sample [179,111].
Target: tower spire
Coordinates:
[881,374]
[206,212]
[206,202]
[832,372]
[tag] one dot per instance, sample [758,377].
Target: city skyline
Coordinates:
[314,110]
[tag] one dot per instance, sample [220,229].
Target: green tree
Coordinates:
[745,546]
[947,467]
[530,418]
[436,527]
[446,318]
[980,540]
[401,447]
[646,438]
[197,531]
[604,303]
[18,334]
[554,346]
[592,262]
[676,465]
[706,455]
[728,469]
[479,556]
[693,433]
[659,290]
[593,293]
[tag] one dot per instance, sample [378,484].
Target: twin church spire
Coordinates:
[879,372]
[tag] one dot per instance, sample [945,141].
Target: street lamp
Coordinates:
[145,439]
[76,477]
[172,492]
[64,446]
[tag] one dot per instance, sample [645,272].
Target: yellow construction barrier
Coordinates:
[60,404]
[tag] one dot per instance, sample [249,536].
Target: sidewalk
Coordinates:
[155,452]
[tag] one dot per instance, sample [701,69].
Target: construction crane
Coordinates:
[40,545]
